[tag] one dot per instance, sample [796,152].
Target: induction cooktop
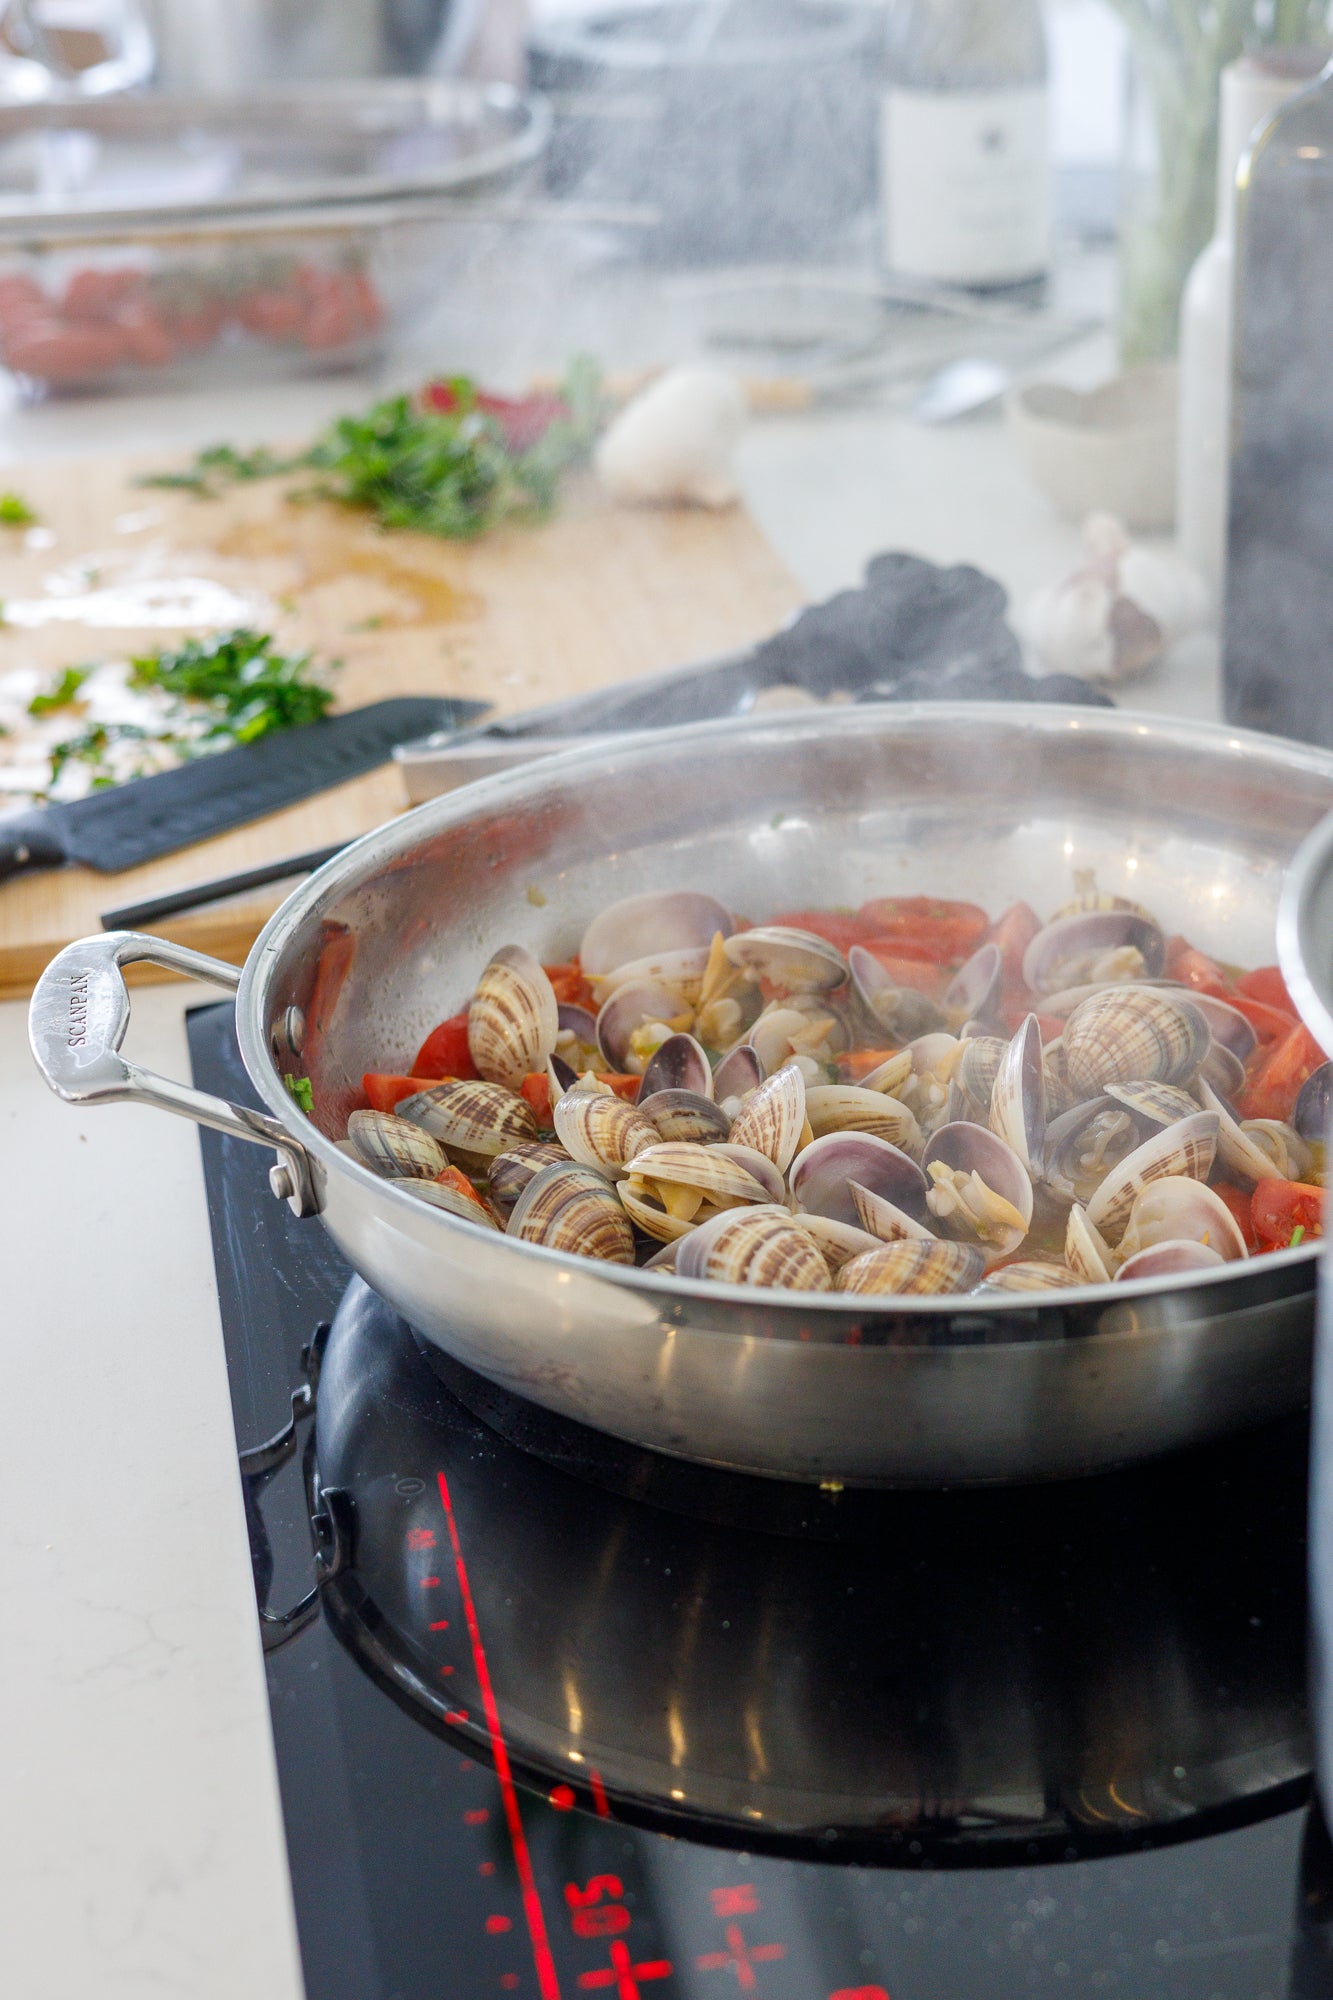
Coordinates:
[554,1716]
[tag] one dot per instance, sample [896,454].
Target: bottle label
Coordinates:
[965,184]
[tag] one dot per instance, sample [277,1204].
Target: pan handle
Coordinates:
[77,1021]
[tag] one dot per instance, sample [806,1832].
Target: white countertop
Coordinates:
[142,1850]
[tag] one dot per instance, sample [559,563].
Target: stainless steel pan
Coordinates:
[990,803]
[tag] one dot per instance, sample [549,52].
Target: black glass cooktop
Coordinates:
[556,1717]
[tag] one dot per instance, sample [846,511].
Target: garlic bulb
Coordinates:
[1125,606]
[673,443]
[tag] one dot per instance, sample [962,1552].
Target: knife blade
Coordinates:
[137,821]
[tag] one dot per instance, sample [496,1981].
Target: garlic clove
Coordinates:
[673,443]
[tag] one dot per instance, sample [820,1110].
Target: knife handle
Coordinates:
[26,843]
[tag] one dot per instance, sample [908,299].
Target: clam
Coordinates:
[890,1075]
[758,1166]
[822,1174]
[472,1120]
[395,1147]
[980,1190]
[1223,1070]
[447,1198]
[771,1117]
[1061,1095]
[1018,1096]
[839,1241]
[974,1077]
[1087,1252]
[935,1059]
[646,1209]
[685,1179]
[737,1075]
[1187,1149]
[602,1131]
[682,971]
[1083,1145]
[793,961]
[1030,1274]
[1155,1103]
[571,1208]
[1090,897]
[513,1017]
[637,926]
[1134,1034]
[1168,1260]
[511,1170]
[913,1269]
[684,1114]
[846,1107]
[1175,1208]
[801,1026]
[899,1010]
[1257,1148]
[1227,1025]
[1087,946]
[679,1064]
[755,1246]
[639,1005]
[973,994]
[576,1037]
[1310,1116]
[884,1220]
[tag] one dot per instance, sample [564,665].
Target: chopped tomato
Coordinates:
[454,1177]
[523,421]
[1280,1208]
[923,975]
[571,988]
[1240,1205]
[1267,985]
[623,1086]
[951,931]
[536,1089]
[384,1092]
[836,926]
[1194,968]
[856,1063]
[1013,933]
[1276,1076]
[445,1052]
[1270,1024]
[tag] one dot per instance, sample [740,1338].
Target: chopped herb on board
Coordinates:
[302,1090]
[63,695]
[15,511]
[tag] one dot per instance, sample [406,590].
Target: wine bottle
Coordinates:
[1278,623]
[965,167]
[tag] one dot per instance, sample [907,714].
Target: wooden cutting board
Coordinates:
[527,614]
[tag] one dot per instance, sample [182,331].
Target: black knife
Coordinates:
[135,822]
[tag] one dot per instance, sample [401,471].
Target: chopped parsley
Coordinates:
[15,511]
[63,695]
[1297,1235]
[221,465]
[301,1089]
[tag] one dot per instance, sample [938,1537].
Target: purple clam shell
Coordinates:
[679,1064]
[1310,1116]
[738,1074]
[974,990]
[821,1173]
[644,926]
[1227,1025]
[1164,1260]
[1060,945]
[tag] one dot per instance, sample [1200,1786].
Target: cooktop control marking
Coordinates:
[547,1982]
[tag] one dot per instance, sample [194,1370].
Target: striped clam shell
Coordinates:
[771,1117]
[684,1114]
[660,920]
[848,1107]
[511,1170]
[513,1017]
[1087,1253]
[1090,945]
[708,1169]
[449,1199]
[1258,1148]
[1186,1149]
[472,1120]
[884,1220]
[1029,1274]
[839,1241]
[755,1246]
[602,1131]
[394,1147]
[913,1269]
[1133,1034]
[1018,1096]
[571,1208]
[1169,1260]
[974,1078]
[1176,1209]
[1155,1103]
[792,961]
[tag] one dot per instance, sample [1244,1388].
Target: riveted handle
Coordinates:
[77,1021]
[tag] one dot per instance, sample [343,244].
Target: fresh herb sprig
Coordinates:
[221,465]
[63,695]
[301,1088]
[15,511]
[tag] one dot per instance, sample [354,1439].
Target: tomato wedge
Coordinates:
[1270,1024]
[570,986]
[536,1089]
[1240,1205]
[1194,968]
[1276,1075]
[856,1063]
[445,1052]
[384,1092]
[1279,1209]
[952,931]
[454,1177]
[1266,983]
[923,975]
[1013,933]
[837,927]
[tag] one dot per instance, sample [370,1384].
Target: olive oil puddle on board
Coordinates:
[319,552]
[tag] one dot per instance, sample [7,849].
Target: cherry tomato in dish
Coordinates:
[385,1092]
[1284,1212]
[570,987]
[909,968]
[1276,1076]
[445,1051]
[535,1089]
[952,931]
[853,1064]
[454,1177]
[1270,1024]
[1195,969]
[1267,984]
[1240,1206]
[833,926]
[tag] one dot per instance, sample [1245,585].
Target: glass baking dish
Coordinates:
[173,239]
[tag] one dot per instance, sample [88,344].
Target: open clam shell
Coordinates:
[684,1114]
[1259,1148]
[792,961]
[437,1195]
[679,1064]
[1029,1274]
[1087,1252]
[822,1173]
[900,1011]
[839,1241]
[755,1246]
[1223,1071]
[394,1147]
[884,1220]
[706,1169]
[572,1208]
[1018,1096]
[1154,1104]
[974,1077]
[973,994]
[890,1075]
[1085,1144]
[1176,1208]
[771,1117]
[912,1269]
[1310,1116]
[1168,1260]
[1087,946]
[738,1074]
[602,1131]
[513,1018]
[642,926]
[511,1170]
[847,1107]
[1186,1149]
[638,1004]
[935,1061]
[1227,1025]
[471,1119]
[682,971]
[980,1191]
[576,1037]
[1134,1034]
[1061,1095]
